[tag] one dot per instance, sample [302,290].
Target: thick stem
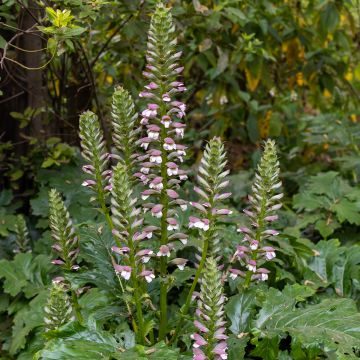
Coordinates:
[185,308]
[136,287]
[164,200]
[76,307]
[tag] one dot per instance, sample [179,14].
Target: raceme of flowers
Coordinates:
[147,160]
[253,252]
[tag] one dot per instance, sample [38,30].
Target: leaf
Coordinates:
[14,273]
[26,319]
[335,265]
[345,270]
[333,324]
[267,348]
[26,273]
[2,42]
[347,211]
[6,196]
[235,15]
[277,302]
[329,18]
[236,347]
[73,341]
[64,349]
[324,260]
[96,250]
[240,310]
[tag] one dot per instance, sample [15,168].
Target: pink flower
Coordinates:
[241,251]
[254,245]
[223,196]
[144,142]
[157,211]
[252,266]
[169,144]
[166,121]
[88,183]
[156,184]
[172,194]
[164,251]
[263,274]
[120,251]
[125,271]
[199,340]
[244,229]
[220,349]
[155,156]
[166,98]
[234,273]
[151,86]
[148,275]
[200,326]
[202,224]
[144,255]
[57,262]
[153,132]
[172,224]
[172,168]
[271,218]
[179,262]
[269,252]
[88,169]
[199,355]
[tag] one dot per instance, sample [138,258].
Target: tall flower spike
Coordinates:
[127,221]
[210,338]
[212,181]
[58,310]
[162,120]
[124,121]
[22,235]
[94,151]
[66,243]
[264,204]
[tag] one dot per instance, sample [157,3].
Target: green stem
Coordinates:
[105,211]
[185,308]
[164,201]
[136,286]
[76,307]
[258,233]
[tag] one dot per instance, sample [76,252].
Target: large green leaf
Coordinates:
[277,302]
[96,250]
[332,325]
[335,265]
[240,310]
[26,273]
[26,319]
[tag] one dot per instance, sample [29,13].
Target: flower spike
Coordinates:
[58,310]
[124,124]
[127,221]
[212,181]
[66,242]
[94,151]
[162,121]
[210,338]
[22,235]
[264,204]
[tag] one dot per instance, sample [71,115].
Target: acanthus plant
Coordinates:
[137,187]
